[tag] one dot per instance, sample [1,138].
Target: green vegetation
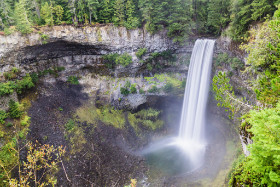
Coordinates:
[147,118]
[172,84]
[128,89]
[261,167]
[3,116]
[73,80]
[110,60]
[181,18]
[141,52]
[154,89]
[224,59]
[124,59]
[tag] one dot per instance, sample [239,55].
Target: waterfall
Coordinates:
[196,93]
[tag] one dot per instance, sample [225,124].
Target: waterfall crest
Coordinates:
[196,92]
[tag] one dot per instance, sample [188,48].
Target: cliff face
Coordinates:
[79,48]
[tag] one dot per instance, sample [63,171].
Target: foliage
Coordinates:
[168,87]
[24,84]
[262,165]
[153,89]
[25,121]
[41,160]
[148,118]
[70,125]
[3,116]
[263,58]
[73,80]
[14,109]
[22,23]
[133,89]
[141,52]
[124,59]
[111,116]
[225,95]
[110,59]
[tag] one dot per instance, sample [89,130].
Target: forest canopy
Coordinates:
[180,17]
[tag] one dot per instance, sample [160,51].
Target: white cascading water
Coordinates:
[191,141]
[192,125]
[196,93]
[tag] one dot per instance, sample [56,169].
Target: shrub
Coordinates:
[70,125]
[124,59]
[34,77]
[154,89]
[141,52]
[3,116]
[9,124]
[9,75]
[133,89]
[73,80]
[25,83]
[7,88]
[149,66]
[168,87]
[124,91]
[141,91]
[25,121]
[222,58]
[236,64]
[14,109]
[110,59]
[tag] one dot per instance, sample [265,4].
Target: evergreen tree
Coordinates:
[22,22]
[131,21]
[106,12]
[218,16]
[119,14]
[5,13]
[47,13]
[58,14]
[92,9]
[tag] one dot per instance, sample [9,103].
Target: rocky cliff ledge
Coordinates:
[76,48]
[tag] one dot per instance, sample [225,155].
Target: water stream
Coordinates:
[188,148]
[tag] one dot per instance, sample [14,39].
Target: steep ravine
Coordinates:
[80,51]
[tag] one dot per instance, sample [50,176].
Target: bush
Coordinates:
[25,121]
[110,60]
[3,116]
[141,52]
[73,80]
[168,87]
[222,59]
[133,89]
[9,124]
[154,89]
[14,109]
[124,59]
[149,66]
[25,83]
[7,88]
[70,125]
[124,91]
[236,64]
[141,91]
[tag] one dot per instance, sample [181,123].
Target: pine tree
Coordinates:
[119,14]
[47,13]
[218,16]
[22,22]
[58,12]
[131,21]
[92,8]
